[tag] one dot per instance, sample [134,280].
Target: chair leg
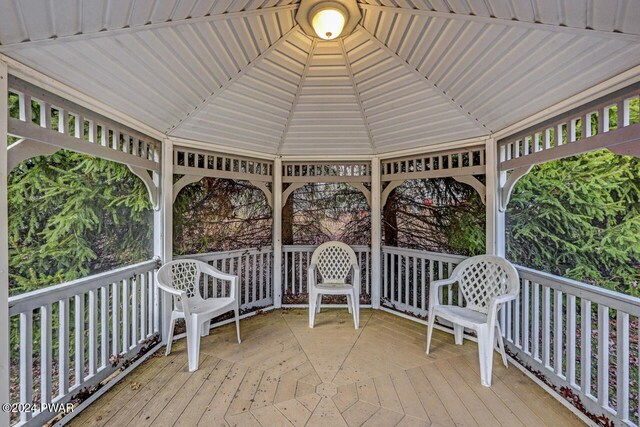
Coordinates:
[349,303]
[193,344]
[313,301]
[356,306]
[318,302]
[458,334]
[501,346]
[170,337]
[485,354]
[237,313]
[206,327]
[352,307]
[432,319]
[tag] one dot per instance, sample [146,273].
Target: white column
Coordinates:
[376,232]
[163,224]
[277,232]
[495,237]
[4,249]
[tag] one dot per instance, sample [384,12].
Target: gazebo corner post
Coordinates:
[163,231]
[4,248]
[277,232]
[376,232]
[495,218]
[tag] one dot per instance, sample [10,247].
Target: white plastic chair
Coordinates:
[486,283]
[334,261]
[182,279]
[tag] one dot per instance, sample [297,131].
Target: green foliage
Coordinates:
[71,215]
[579,217]
[441,215]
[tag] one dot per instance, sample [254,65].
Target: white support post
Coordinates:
[495,226]
[277,232]
[376,232]
[4,248]
[163,227]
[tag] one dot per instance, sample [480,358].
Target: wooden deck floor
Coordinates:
[286,374]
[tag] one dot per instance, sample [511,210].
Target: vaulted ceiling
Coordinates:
[242,74]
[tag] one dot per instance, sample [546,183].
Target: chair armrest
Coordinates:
[435,286]
[496,303]
[311,276]
[217,274]
[170,290]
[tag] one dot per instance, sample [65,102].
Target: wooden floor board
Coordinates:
[285,374]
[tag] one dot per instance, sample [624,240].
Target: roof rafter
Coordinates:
[357,94]
[507,22]
[233,79]
[425,79]
[106,33]
[294,104]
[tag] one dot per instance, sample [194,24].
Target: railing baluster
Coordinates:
[63,347]
[558,357]
[423,285]
[143,306]
[79,339]
[407,295]
[526,323]
[115,318]
[93,332]
[126,326]
[26,362]
[585,350]
[134,310]
[603,355]
[536,322]
[571,339]
[104,327]
[45,353]
[546,326]
[622,365]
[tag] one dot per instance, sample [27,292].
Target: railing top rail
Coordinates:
[423,254]
[227,254]
[35,299]
[304,248]
[609,298]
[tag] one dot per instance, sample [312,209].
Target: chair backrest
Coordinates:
[484,277]
[183,275]
[334,261]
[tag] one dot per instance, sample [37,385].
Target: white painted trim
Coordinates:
[357,95]
[163,227]
[52,85]
[618,82]
[326,158]
[303,78]
[462,143]
[376,232]
[5,381]
[276,283]
[635,38]
[210,146]
[145,27]
[218,91]
[492,197]
[468,115]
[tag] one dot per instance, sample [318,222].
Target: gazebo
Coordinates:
[410,89]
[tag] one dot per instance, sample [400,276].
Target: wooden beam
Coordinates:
[624,137]
[61,140]
[4,250]
[277,232]
[358,99]
[477,185]
[289,191]
[634,38]
[510,183]
[397,58]
[294,104]
[150,26]
[262,186]
[233,79]
[364,190]
[183,182]
[376,232]
[151,186]
[388,189]
[24,149]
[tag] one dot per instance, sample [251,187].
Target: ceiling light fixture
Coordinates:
[328,20]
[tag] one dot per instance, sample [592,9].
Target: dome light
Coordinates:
[328,22]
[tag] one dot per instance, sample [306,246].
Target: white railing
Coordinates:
[253,267]
[295,263]
[582,338]
[406,275]
[73,335]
